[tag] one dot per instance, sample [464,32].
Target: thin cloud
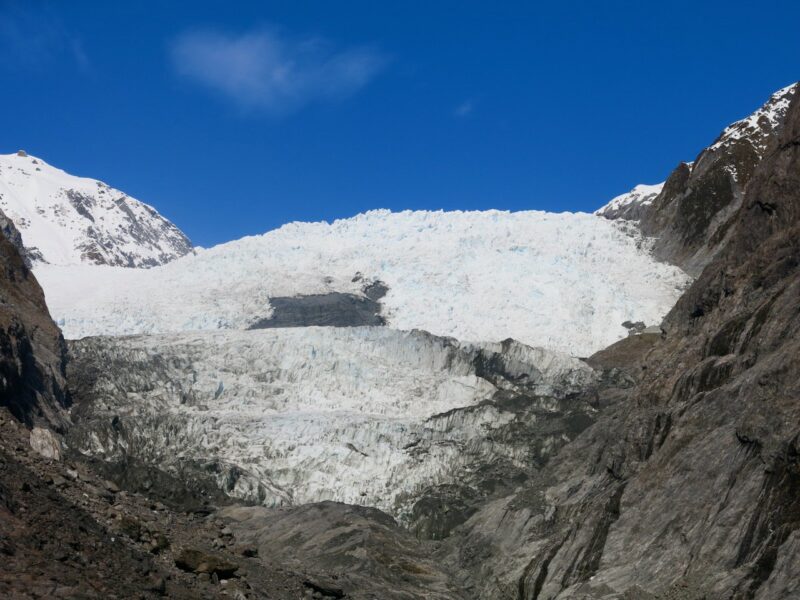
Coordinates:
[269,71]
[31,35]
[464,109]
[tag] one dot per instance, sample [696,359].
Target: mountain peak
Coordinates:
[630,204]
[761,124]
[65,220]
[688,215]
[755,130]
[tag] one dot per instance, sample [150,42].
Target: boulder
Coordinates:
[198,561]
[46,443]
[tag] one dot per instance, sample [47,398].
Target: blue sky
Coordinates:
[235,117]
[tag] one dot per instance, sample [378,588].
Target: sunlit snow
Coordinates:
[563,281]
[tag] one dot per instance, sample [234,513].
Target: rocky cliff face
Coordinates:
[687,487]
[366,554]
[32,351]
[633,205]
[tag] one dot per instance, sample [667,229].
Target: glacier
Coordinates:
[362,415]
[564,281]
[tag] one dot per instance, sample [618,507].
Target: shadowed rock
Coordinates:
[32,351]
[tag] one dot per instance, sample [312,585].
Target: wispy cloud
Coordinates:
[32,35]
[464,109]
[268,70]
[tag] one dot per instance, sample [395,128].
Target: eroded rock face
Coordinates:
[67,532]
[322,310]
[693,215]
[689,484]
[32,351]
[12,234]
[46,443]
[199,561]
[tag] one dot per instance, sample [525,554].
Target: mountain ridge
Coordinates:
[691,215]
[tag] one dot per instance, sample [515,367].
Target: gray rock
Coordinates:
[334,309]
[349,551]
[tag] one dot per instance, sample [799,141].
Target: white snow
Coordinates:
[364,415]
[642,194]
[68,220]
[562,281]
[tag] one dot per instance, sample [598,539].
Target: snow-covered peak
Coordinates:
[628,205]
[758,127]
[68,220]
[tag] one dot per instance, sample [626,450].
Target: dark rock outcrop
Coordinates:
[32,350]
[12,234]
[198,561]
[53,548]
[65,532]
[353,551]
[334,309]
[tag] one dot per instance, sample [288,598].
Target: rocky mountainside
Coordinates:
[64,531]
[68,220]
[633,205]
[691,217]
[687,487]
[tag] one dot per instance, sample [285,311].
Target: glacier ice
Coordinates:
[363,415]
[563,281]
